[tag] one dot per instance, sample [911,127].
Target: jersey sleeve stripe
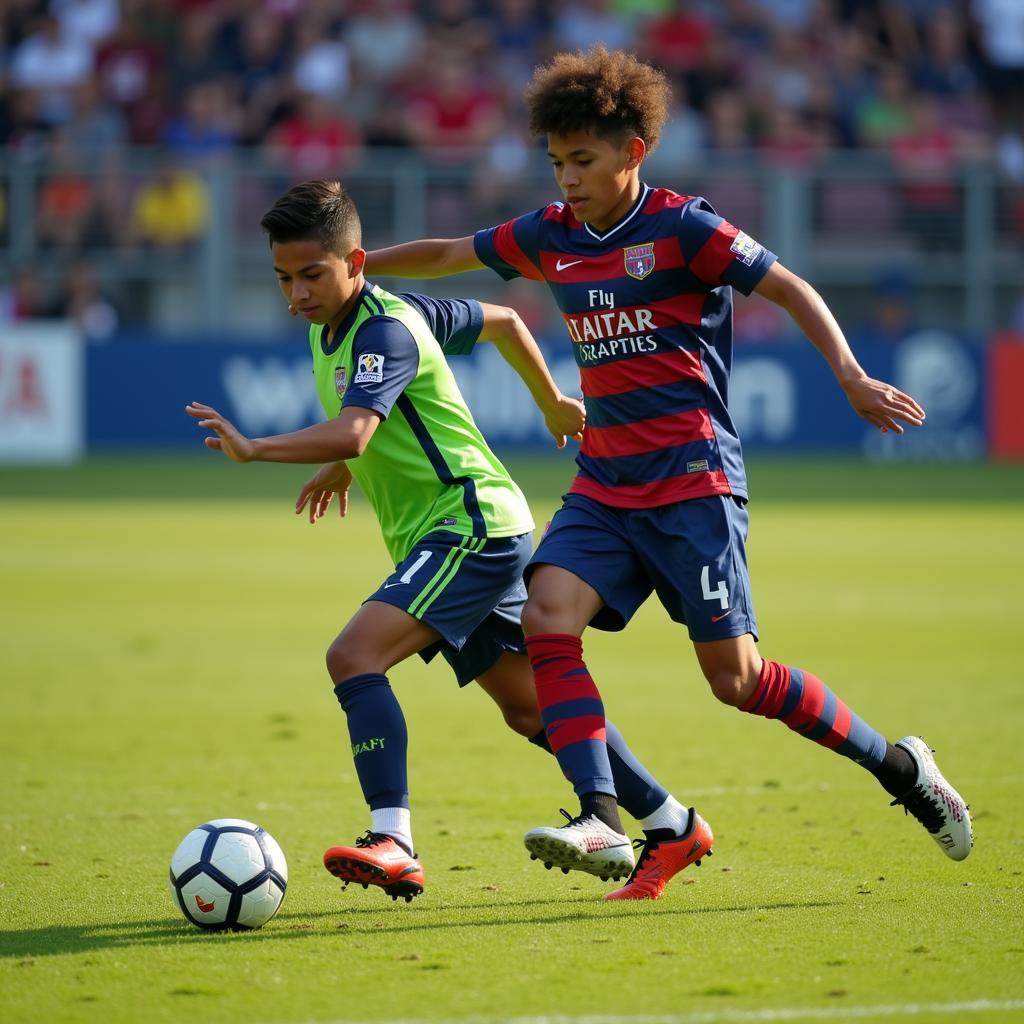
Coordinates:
[648,435]
[657,492]
[715,254]
[506,246]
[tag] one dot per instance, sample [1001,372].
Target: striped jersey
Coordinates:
[648,307]
[427,466]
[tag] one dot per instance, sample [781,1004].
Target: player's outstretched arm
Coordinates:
[429,257]
[563,416]
[876,401]
[344,437]
[334,478]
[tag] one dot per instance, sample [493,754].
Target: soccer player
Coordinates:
[643,278]
[455,524]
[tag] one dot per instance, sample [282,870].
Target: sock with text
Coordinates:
[379,737]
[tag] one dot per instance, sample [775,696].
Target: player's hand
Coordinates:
[334,478]
[883,405]
[229,440]
[566,419]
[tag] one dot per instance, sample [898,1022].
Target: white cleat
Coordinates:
[582,844]
[935,803]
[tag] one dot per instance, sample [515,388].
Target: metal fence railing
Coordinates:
[179,246]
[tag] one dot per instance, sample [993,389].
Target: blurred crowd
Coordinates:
[314,87]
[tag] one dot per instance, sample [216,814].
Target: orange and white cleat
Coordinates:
[377,859]
[663,857]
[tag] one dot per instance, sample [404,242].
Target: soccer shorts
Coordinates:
[692,554]
[468,589]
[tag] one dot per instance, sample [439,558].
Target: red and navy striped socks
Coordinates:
[804,703]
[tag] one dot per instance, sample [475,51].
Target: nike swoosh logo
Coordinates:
[399,583]
[565,266]
[718,618]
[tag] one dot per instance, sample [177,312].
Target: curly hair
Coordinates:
[611,93]
[317,209]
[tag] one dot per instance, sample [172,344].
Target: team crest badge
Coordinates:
[370,369]
[639,260]
[340,381]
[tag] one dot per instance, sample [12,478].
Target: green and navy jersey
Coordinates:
[427,466]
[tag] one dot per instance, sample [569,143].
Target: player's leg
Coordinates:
[386,630]
[378,637]
[584,572]
[718,611]
[738,676]
[509,683]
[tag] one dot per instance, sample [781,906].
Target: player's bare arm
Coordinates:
[333,479]
[344,437]
[428,257]
[563,416]
[879,403]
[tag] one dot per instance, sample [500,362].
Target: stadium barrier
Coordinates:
[59,399]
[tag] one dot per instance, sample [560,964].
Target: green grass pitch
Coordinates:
[162,629]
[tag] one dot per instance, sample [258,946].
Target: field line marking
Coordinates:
[765,1016]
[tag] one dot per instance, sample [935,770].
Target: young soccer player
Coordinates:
[643,278]
[455,524]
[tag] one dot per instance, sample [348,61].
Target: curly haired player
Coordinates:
[643,277]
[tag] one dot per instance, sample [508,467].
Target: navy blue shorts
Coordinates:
[468,589]
[692,554]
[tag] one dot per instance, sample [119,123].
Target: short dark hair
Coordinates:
[317,209]
[608,92]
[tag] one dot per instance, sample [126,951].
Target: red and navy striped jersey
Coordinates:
[648,306]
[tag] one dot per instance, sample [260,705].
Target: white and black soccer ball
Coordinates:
[228,873]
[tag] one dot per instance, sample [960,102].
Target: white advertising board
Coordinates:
[42,385]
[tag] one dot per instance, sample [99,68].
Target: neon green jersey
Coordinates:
[427,466]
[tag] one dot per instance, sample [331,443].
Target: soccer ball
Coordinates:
[228,873]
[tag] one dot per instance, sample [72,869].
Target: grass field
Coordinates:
[162,628]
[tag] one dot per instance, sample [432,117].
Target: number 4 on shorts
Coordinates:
[721,592]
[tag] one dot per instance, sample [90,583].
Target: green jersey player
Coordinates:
[456,526]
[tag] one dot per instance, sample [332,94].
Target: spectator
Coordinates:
[51,64]
[677,41]
[208,125]
[171,210]
[197,55]
[315,140]
[925,157]
[519,34]
[384,38]
[94,129]
[893,316]
[81,301]
[90,21]
[66,200]
[886,114]
[1001,28]
[452,113]
[321,61]
[579,24]
[23,298]
[130,69]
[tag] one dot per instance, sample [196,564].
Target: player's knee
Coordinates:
[344,661]
[541,615]
[729,686]
[522,719]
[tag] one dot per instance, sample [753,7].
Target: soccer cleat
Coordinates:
[582,844]
[935,803]
[661,858]
[377,859]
